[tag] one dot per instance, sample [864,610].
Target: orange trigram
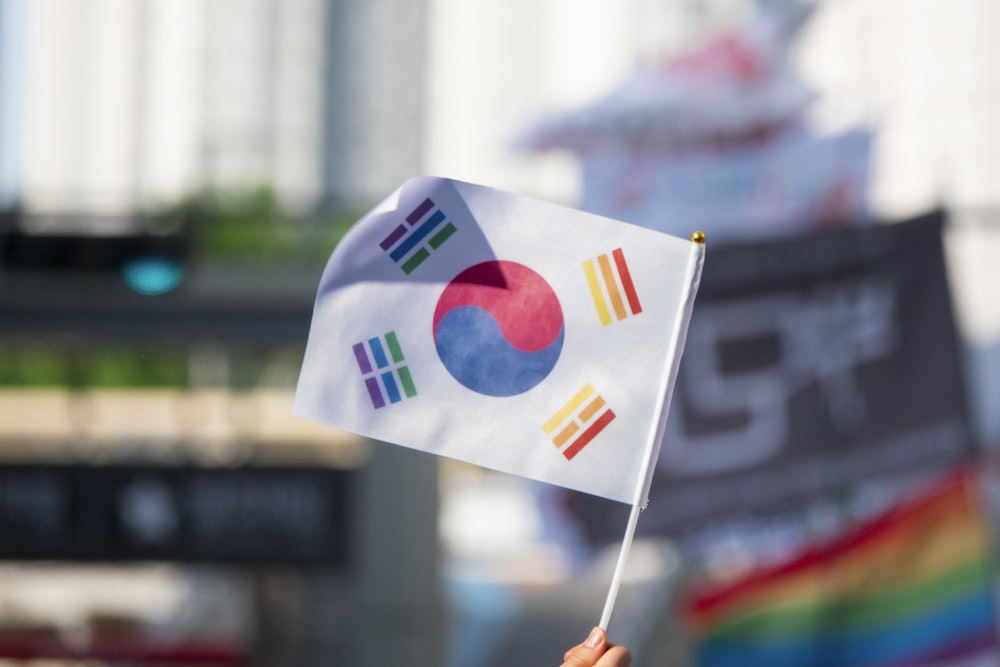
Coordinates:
[611,283]
[579,421]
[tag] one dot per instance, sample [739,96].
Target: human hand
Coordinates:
[597,651]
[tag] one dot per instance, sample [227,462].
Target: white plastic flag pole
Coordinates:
[651,451]
[616,579]
[650,455]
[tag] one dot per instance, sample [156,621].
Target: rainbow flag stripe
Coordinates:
[610,282]
[426,230]
[386,377]
[579,421]
[912,587]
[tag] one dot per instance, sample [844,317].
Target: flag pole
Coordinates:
[616,578]
[652,448]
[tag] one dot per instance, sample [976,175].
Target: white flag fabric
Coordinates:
[504,331]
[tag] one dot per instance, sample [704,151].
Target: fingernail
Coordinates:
[594,639]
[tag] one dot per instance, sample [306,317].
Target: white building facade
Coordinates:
[122,104]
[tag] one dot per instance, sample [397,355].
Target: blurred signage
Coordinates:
[812,363]
[149,264]
[248,515]
[795,181]
[87,252]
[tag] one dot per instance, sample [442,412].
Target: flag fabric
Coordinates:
[912,587]
[505,331]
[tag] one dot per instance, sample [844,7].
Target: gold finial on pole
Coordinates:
[698,237]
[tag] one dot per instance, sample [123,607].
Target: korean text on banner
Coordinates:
[503,331]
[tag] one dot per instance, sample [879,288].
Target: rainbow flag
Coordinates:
[911,587]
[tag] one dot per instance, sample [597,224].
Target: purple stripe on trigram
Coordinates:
[419,211]
[374,392]
[391,239]
[363,362]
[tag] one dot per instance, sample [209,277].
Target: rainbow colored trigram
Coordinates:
[385,376]
[410,244]
[579,421]
[610,281]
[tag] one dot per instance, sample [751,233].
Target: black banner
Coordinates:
[812,363]
[245,515]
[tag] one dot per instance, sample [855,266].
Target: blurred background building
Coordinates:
[259,129]
[123,104]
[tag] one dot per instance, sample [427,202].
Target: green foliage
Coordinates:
[32,364]
[133,367]
[61,364]
[250,226]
